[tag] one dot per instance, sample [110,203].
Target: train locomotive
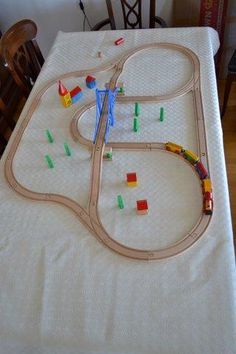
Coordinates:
[200,169]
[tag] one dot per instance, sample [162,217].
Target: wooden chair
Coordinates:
[131,9]
[10,95]
[231,77]
[22,55]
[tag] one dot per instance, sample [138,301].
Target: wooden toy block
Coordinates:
[137,109]
[107,156]
[67,149]
[121,91]
[136,125]
[142,212]
[90,82]
[66,100]
[49,161]
[131,179]
[76,94]
[49,136]
[161,114]
[64,95]
[62,90]
[132,184]
[120,202]
[142,207]
[119,41]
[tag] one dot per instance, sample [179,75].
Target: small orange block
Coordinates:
[142,207]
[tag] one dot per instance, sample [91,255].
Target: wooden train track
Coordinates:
[90,216]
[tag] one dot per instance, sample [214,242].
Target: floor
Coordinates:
[229,129]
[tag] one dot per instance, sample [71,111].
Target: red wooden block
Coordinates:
[119,41]
[142,204]
[75,91]
[131,177]
[90,78]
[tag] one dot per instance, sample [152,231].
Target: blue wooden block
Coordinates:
[76,97]
[91,84]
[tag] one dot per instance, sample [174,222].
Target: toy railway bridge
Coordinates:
[100,106]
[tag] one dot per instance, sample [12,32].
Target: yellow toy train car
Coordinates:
[206,186]
[174,147]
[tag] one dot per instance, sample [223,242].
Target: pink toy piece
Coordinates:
[119,41]
[62,89]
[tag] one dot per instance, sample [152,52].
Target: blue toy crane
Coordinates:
[100,98]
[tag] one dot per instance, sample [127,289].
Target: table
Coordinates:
[61,289]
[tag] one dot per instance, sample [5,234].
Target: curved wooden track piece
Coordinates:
[90,216]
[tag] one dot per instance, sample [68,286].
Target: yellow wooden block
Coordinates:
[66,100]
[132,184]
[142,212]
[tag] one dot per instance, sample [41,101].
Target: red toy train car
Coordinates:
[201,170]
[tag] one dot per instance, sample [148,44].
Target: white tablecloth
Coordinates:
[61,291]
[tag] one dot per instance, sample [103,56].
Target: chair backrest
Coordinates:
[132,13]
[21,54]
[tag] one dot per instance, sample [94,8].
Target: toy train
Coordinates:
[202,172]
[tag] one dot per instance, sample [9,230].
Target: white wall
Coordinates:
[54,15]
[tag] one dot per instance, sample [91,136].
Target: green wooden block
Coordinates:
[49,161]
[67,149]
[121,90]
[120,202]
[161,114]
[109,155]
[136,124]
[137,109]
[49,136]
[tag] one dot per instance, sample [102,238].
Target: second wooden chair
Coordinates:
[132,14]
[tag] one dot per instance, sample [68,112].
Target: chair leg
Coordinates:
[230,78]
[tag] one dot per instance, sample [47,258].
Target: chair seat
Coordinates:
[232,63]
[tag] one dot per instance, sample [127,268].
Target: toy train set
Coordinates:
[202,172]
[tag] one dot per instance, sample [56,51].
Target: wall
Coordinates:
[50,16]
[54,15]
